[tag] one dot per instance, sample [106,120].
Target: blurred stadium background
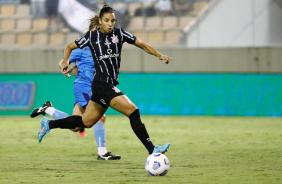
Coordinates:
[227,55]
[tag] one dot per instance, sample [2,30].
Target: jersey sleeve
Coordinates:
[128,37]
[83,41]
[75,55]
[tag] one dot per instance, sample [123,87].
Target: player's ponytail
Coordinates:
[94,22]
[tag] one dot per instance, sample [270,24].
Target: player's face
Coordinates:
[107,23]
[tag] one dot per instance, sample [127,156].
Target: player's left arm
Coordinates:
[149,49]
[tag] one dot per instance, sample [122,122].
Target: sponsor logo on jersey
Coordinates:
[103,101]
[115,39]
[109,51]
[106,56]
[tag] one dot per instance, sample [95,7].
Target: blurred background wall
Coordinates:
[226,55]
[240,23]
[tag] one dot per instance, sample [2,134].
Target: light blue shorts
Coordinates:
[82,93]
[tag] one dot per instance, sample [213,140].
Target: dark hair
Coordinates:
[94,21]
[106,9]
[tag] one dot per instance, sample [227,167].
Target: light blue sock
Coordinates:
[99,133]
[59,114]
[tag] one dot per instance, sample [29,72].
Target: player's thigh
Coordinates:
[77,110]
[82,93]
[123,105]
[92,114]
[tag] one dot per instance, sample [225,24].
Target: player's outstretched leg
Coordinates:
[44,129]
[161,149]
[108,156]
[41,110]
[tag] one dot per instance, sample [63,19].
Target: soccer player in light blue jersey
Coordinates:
[83,70]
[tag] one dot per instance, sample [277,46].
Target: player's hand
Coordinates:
[64,67]
[165,58]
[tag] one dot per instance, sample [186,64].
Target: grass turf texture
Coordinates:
[203,150]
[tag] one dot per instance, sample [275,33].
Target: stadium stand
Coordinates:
[31,31]
[40,24]
[23,24]
[136,23]
[71,36]
[22,11]
[153,23]
[24,39]
[7,10]
[198,6]
[170,22]
[8,40]
[184,21]
[40,39]
[172,37]
[7,25]
[133,7]
[57,39]
[156,37]
[141,35]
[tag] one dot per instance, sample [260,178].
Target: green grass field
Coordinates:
[203,150]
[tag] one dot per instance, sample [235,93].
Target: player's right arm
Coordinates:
[65,62]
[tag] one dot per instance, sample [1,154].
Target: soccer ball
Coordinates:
[157,164]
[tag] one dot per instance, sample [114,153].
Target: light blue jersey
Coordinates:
[85,65]
[84,76]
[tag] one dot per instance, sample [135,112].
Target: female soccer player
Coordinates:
[106,45]
[83,71]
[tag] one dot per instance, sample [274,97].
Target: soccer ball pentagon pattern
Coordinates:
[157,164]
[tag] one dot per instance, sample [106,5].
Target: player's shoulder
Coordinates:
[119,30]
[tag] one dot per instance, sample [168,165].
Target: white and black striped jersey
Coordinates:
[106,52]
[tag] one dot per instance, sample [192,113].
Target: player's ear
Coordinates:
[100,21]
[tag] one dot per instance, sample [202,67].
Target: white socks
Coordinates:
[50,111]
[102,151]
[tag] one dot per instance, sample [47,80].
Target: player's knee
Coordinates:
[88,125]
[132,109]
[102,119]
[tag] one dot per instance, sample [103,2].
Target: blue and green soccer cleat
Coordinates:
[44,129]
[161,149]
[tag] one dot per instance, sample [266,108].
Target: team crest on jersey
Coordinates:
[115,39]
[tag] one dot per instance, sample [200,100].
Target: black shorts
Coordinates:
[103,93]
